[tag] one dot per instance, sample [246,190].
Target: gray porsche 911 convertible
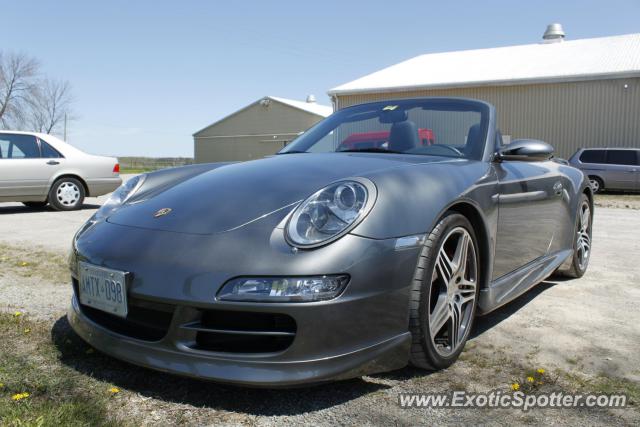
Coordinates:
[370,242]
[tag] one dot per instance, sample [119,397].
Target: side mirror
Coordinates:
[528,150]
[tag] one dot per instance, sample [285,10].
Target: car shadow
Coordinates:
[20,209]
[482,325]
[488,321]
[76,354]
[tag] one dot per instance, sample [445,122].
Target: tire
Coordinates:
[597,185]
[66,194]
[35,205]
[430,291]
[581,241]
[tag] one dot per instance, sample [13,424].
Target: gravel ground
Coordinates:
[584,333]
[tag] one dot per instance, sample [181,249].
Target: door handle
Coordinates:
[53,162]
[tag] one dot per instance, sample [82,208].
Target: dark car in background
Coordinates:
[609,168]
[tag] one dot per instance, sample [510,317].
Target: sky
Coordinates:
[146,75]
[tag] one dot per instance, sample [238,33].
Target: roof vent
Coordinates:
[553,34]
[311,99]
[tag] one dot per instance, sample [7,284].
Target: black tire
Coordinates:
[35,205]
[597,185]
[423,350]
[58,194]
[578,266]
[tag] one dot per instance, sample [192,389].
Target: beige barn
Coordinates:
[257,130]
[580,93]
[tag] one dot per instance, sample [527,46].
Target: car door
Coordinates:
[529,204]
[622,169]
[24,174]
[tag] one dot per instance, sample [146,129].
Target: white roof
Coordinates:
[311,107]
[585,59]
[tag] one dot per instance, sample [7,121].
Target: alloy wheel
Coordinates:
[453,292]
[583,235]
[68,193]
[595,185]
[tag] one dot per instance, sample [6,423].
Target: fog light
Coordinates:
[283,289]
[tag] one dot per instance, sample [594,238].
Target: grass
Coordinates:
[53,393]
[27,262]
[135,171]
[607,384]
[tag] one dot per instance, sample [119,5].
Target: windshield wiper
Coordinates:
[292,152]
[369,150]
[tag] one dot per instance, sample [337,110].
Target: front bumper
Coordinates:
[363,331]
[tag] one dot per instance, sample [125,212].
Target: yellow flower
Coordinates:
[1,385]
[540,371]
[530,379]
[17,314]
[27,330]
[515,386]
[114,390]
[19,396]
[24,264]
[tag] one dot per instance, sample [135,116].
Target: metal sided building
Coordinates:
[257,130]
[580,93]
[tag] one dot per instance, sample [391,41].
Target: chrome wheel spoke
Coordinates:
[445,266]
[460,256]
[466,291]
[441,314]
[456,324]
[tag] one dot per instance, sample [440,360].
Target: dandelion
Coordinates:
[24,264]
[114,390]
[515,386]
[17,314]
[19,396]
[530,379]
[540,371]
[27,330]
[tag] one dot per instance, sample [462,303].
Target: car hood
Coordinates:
[233,195]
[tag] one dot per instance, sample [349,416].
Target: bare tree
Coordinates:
[49,104]
[18,83]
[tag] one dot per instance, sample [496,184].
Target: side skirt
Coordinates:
[514,284]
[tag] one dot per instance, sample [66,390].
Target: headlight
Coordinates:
[283,289]
[120,196]
[330,213]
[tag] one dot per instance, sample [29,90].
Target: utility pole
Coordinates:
[65,127]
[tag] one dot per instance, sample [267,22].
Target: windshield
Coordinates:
[438,127]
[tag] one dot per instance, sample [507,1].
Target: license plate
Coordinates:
[103,288]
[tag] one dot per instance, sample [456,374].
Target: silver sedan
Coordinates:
[38,169]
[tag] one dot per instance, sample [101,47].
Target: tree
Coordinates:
[18,83]
[49,104]
[29,102]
